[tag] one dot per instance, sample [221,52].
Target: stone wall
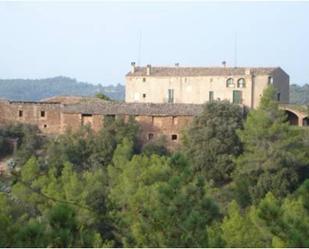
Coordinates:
[152,127]
[74,121]
[171,127]
[45,115]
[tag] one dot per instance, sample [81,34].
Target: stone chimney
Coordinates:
[224,63]
[132,67]
[148,72]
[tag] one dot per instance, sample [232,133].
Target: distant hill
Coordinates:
[299,94]
[33,90]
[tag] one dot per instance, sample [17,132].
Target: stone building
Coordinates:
[197,85]
[45,115]
[163,100]
[155,120]
[53,118]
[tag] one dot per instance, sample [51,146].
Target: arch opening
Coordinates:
[291,117]
[306,121]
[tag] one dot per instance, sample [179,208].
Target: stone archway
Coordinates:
[306,121]
[292,117]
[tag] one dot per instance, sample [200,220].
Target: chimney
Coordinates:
[177,64]
[132,67]
[224,63]
[148,72]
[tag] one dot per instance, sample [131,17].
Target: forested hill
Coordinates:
[36,89]
[299,94]
[32,90]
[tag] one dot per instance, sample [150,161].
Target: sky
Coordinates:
[96,41]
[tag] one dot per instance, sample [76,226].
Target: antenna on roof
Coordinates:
[139,49]
[235,50]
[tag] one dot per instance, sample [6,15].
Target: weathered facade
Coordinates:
[155,120]
[197,85]
[45,115]
[53,118]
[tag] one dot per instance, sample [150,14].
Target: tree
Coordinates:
[158,202]
[103,97]
[211,141]
[273,153]
[28,141]
[156,147]
[270,223]
[40,190]
[86,149]
[5,222]
[239,230]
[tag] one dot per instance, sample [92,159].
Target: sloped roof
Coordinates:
[201,71]
[111,108]
[71,99]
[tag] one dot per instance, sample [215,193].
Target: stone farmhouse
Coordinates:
[197,85]
[163,100]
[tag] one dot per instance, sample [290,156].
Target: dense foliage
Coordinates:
[237,181]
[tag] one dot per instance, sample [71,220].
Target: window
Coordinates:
[230,82]
[42,114]
[170,96]
[241,83]
[45,126]
[144,95]
[270,80]
[87,119]
[144,79]
[211,96]
[20,113]
[174,137]
[237,97]
[150,136]
[278,96]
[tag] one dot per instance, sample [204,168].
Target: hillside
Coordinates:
[33,90]
[299,94]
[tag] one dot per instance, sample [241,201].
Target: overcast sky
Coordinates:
[95,42]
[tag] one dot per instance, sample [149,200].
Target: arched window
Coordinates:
[241,83]
[230,82]
[270,80]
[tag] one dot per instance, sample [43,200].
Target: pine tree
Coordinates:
[273,152]
[211,142]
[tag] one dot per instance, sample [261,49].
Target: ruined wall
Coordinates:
[45,115]
[3,106]
[153,127]
[74,121]
[51,119]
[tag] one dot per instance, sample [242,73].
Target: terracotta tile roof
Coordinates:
[201,71]
[112,108]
